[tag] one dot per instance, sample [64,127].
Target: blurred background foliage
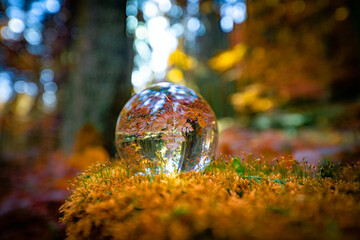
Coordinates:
[264,64]
[281,75]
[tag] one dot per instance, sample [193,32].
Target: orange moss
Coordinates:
[231,199]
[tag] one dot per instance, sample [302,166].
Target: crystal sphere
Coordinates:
[166,128]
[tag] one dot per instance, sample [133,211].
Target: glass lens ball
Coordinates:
[166,128]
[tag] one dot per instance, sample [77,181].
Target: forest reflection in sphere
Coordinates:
[166,128]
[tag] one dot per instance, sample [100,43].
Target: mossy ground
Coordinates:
[231,199]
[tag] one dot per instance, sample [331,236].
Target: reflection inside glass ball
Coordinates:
[166,128]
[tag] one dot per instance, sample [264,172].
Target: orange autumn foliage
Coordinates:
[88,156]
[88,148]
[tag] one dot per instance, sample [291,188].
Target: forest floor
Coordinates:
[34,181]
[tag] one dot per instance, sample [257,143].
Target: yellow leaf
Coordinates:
[228,59]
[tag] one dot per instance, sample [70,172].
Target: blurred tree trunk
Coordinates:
[99,80]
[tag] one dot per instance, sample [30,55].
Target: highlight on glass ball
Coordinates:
[166,128]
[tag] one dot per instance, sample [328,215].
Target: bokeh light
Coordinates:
[141,32]
[52,6]
[6,90]
[31,89]
[227,24]
[178,29]
[164,5]
[156,37]
[16,25]
[131,24]
[193,24]
[175,11]
[341,13]
[49,100]
[33,36]
[239,12]
[150,9]
[231,12]
[26,21]
[131,10]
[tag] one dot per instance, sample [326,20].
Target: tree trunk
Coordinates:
[99,82]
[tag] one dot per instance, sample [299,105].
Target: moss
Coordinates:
[231,199]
